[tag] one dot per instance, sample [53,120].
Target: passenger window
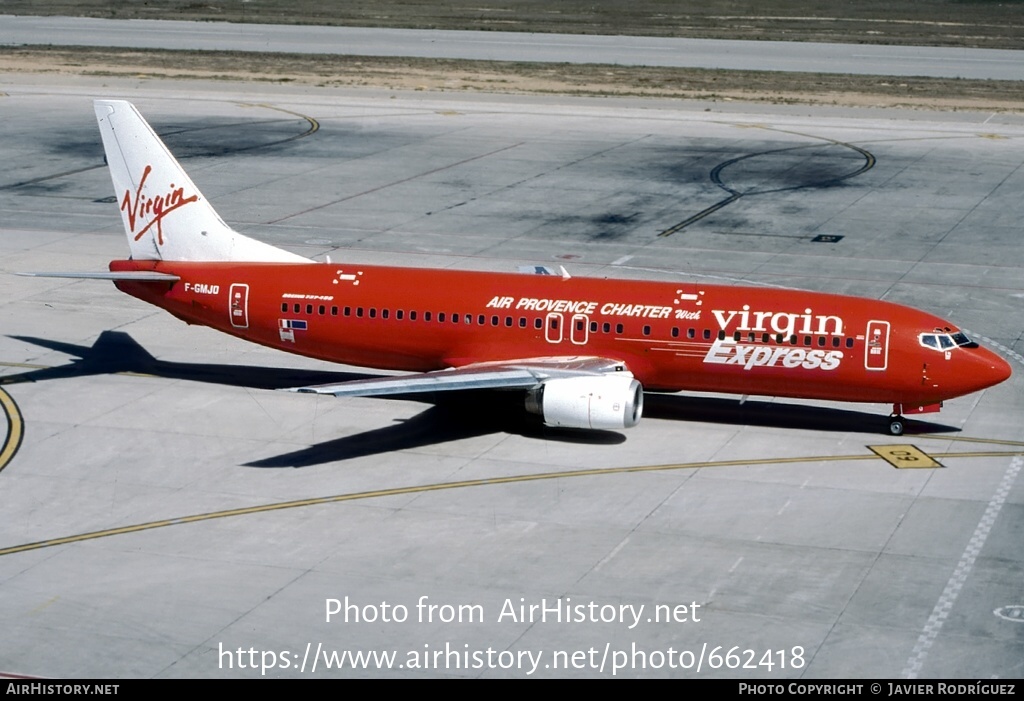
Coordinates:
[373,312]
[538,323]
[691,333]
[440,316]
[296,309]
[399,314]
[334,311]
[322,310]
[359,311]
[412,315]
[606,327]
[675,332]
[284,306]
[707,334]
[618,328]
[647,330]
[309,308]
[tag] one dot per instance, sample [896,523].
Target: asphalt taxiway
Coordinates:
[790,56]
[166,513]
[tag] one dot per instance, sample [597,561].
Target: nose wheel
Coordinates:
[896,425]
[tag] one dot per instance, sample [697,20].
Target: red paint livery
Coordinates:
[581,349]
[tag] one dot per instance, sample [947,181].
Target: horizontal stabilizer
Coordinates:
[127,275]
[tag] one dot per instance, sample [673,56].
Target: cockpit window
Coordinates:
[963,341]
[945,341]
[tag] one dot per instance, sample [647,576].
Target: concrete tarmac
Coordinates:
[165,513]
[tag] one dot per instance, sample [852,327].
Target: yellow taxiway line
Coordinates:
[441,486]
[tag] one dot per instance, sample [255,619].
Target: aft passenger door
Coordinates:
[238,305]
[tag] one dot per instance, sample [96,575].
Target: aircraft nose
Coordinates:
[980,369]
[1001,370]
[992,369]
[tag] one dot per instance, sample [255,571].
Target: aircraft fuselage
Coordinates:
[672,336]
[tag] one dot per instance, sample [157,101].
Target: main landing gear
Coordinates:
[896,425]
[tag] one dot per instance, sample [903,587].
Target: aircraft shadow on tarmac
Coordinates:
[451,416]
[777,415]
[116,352]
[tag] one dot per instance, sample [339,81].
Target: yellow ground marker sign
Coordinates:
[15,428]
[904,457]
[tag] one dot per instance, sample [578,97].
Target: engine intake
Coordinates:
[598,402]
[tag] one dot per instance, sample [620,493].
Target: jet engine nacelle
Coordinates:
[601,401]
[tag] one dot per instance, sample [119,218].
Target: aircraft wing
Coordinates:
[527,373]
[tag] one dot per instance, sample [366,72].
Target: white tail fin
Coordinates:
[165,216]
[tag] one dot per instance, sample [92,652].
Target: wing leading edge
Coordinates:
[569,392]
[526,374]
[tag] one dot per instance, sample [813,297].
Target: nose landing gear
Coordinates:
[896,420]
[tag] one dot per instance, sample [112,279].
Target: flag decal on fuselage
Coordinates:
[288,327]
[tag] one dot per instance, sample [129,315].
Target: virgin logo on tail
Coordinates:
[145,206]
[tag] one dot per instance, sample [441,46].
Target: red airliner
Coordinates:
[582,350]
